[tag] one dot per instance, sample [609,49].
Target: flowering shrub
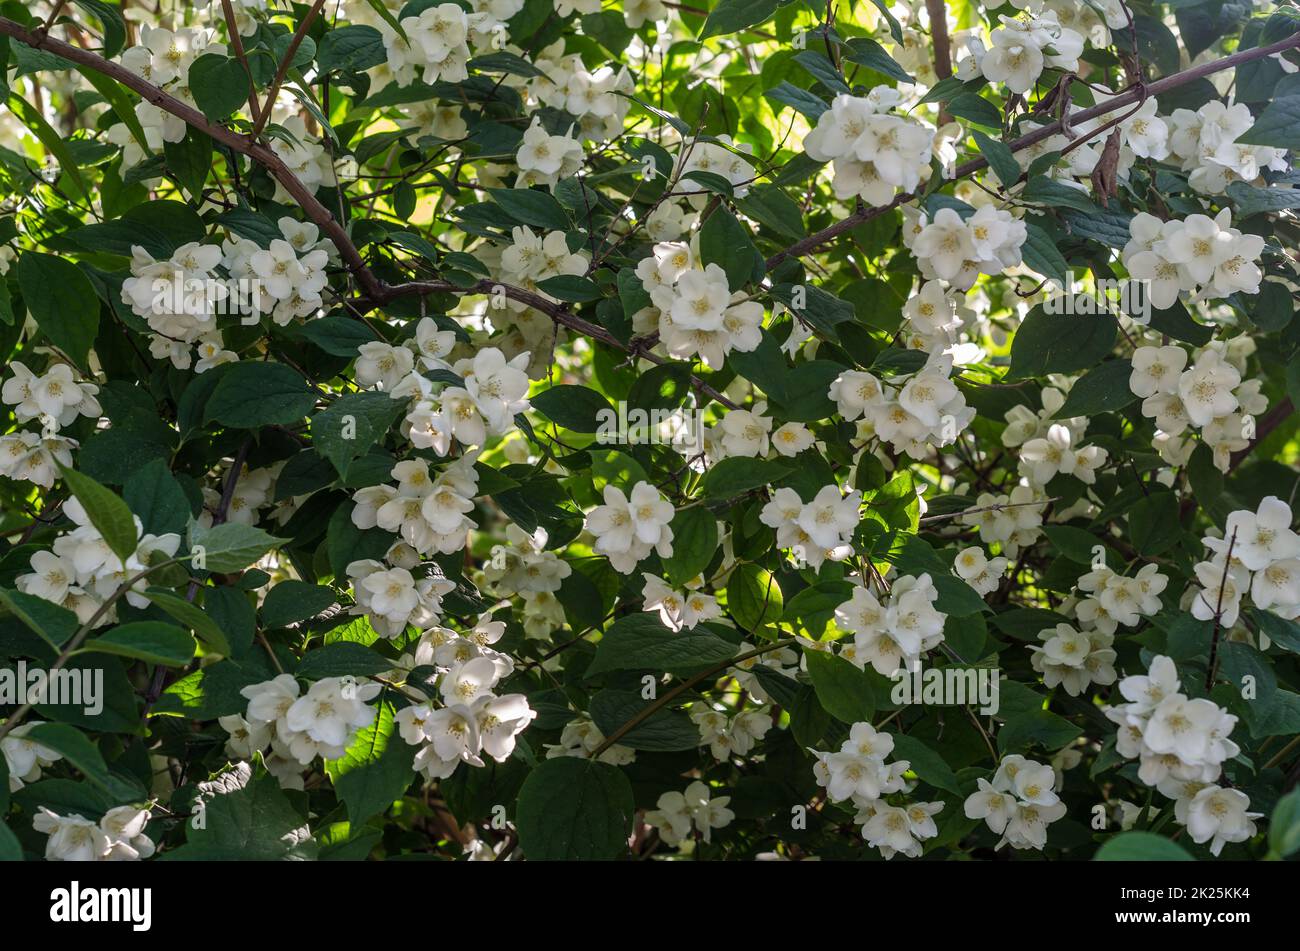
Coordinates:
[557,429]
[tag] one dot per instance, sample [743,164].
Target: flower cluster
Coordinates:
[25,758]
[1199,253]
[1210,395]
[1074,659]
[524,566]
[817,530]
[1181,745]
[288,276]
[956,249]
[81,571]
[55,397]
[1205,142]
[299,727]
[858,772]
[564,82]
[911,412]
[1019,804]
[1021,48]
[695,310]
[1014,520]
[679,609]
[978,570]
[874,153]
[433,48]
[545,159]
[163,57]
[473,720]
[429,512]
[728,736]
[896,633]
[1258,554]
[118,837]
[629,527]
[677,814]
[581,738]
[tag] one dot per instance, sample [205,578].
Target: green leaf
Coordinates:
[350,49]
[754,597]
[695,539]
[1138,846]
[246,818]
[255,394]
[351,425]
[578,408]
[52,622]
[736,475]
[926,763]
[1284,826]
[107,513]
[770,206]
[189,161]
[79,751]
[664,731]
[641,642]
[337,336]
[53,142]
[112,23]
[571,288]
[291,601]
[801,100]
[375,770]
[230,546]
[219,85]
[154,494]
[843,690]
[1103,389]
[342,659]
[1062,343]
[10,849]
[1036,728]
[152,641]
[869,53]
[192,617]
[724,241]
[732,16]
[1153,523]
[1285,634]
[121,104]
[975,108]
[1279,124]
[531,207]
[1042,255]
[1000,158]
[62,301]
[574,809]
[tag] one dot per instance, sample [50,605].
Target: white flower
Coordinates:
[1206,388]
[1263,536]
[1218,816]
[1156,370]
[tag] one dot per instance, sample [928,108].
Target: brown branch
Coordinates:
[1128,97]
[289,54]
[237,44]
[938,13]
[242,144]
[1272,419]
